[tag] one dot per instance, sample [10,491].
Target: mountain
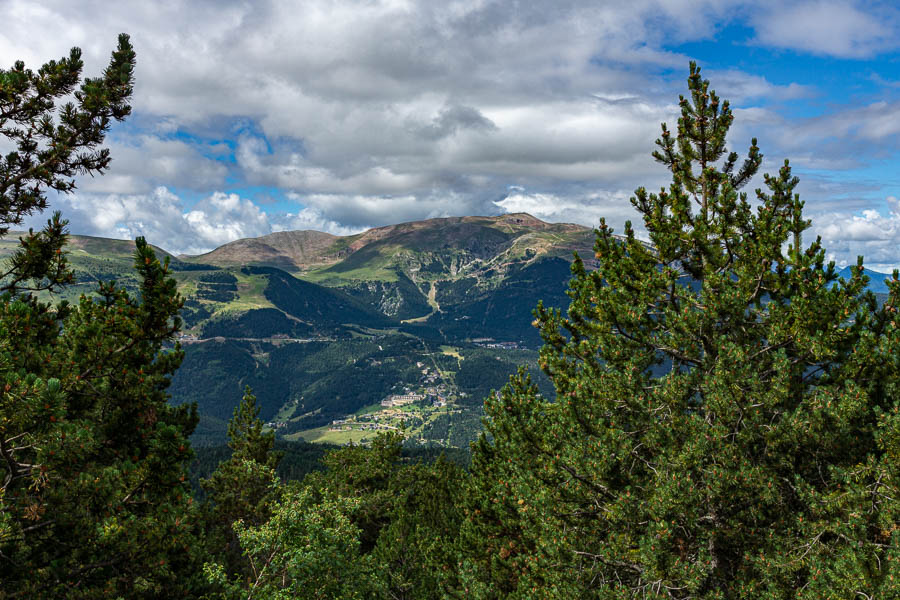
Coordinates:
[385,247]
[288,250]
[325,328]
[876,280]
[438,270]
[96,259]
[449,279]
[84,249]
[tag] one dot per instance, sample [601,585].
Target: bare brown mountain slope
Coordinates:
[305,250]
[289,250]
[510,223]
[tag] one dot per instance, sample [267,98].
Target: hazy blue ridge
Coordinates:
[877,281]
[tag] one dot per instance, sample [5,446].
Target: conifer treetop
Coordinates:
[53,145]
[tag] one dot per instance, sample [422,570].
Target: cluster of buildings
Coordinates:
[435,392]
[437,395]
[401,400]
[498,345]
[346,425]
[379,421]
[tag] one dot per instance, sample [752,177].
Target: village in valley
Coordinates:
[410,411]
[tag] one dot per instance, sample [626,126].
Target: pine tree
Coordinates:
[49,151]
[94,501]
[241,488]
[726,415]
[246,437]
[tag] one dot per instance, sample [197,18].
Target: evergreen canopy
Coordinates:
[726,422]
[94,501]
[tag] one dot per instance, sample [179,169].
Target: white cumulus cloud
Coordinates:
[873,234]
[163,218]
[368,113]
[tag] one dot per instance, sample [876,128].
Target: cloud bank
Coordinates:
[353,114]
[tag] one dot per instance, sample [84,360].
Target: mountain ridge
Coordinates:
[308,249]
[322,326]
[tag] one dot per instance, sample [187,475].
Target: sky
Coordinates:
[338,115]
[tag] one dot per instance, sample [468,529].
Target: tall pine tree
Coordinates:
[241,488]
[93,495]
[726,422]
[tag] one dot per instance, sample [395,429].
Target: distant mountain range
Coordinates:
[323,326]
[462,277]
[483,238]
[457,278]
[876,280]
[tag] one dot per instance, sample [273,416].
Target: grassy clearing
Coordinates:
[421,319]
[322,435]
[186,287]
[286,411]
[308,435]
[376,331]
[331,279]
[378,265]
[250,294]
[452,351]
